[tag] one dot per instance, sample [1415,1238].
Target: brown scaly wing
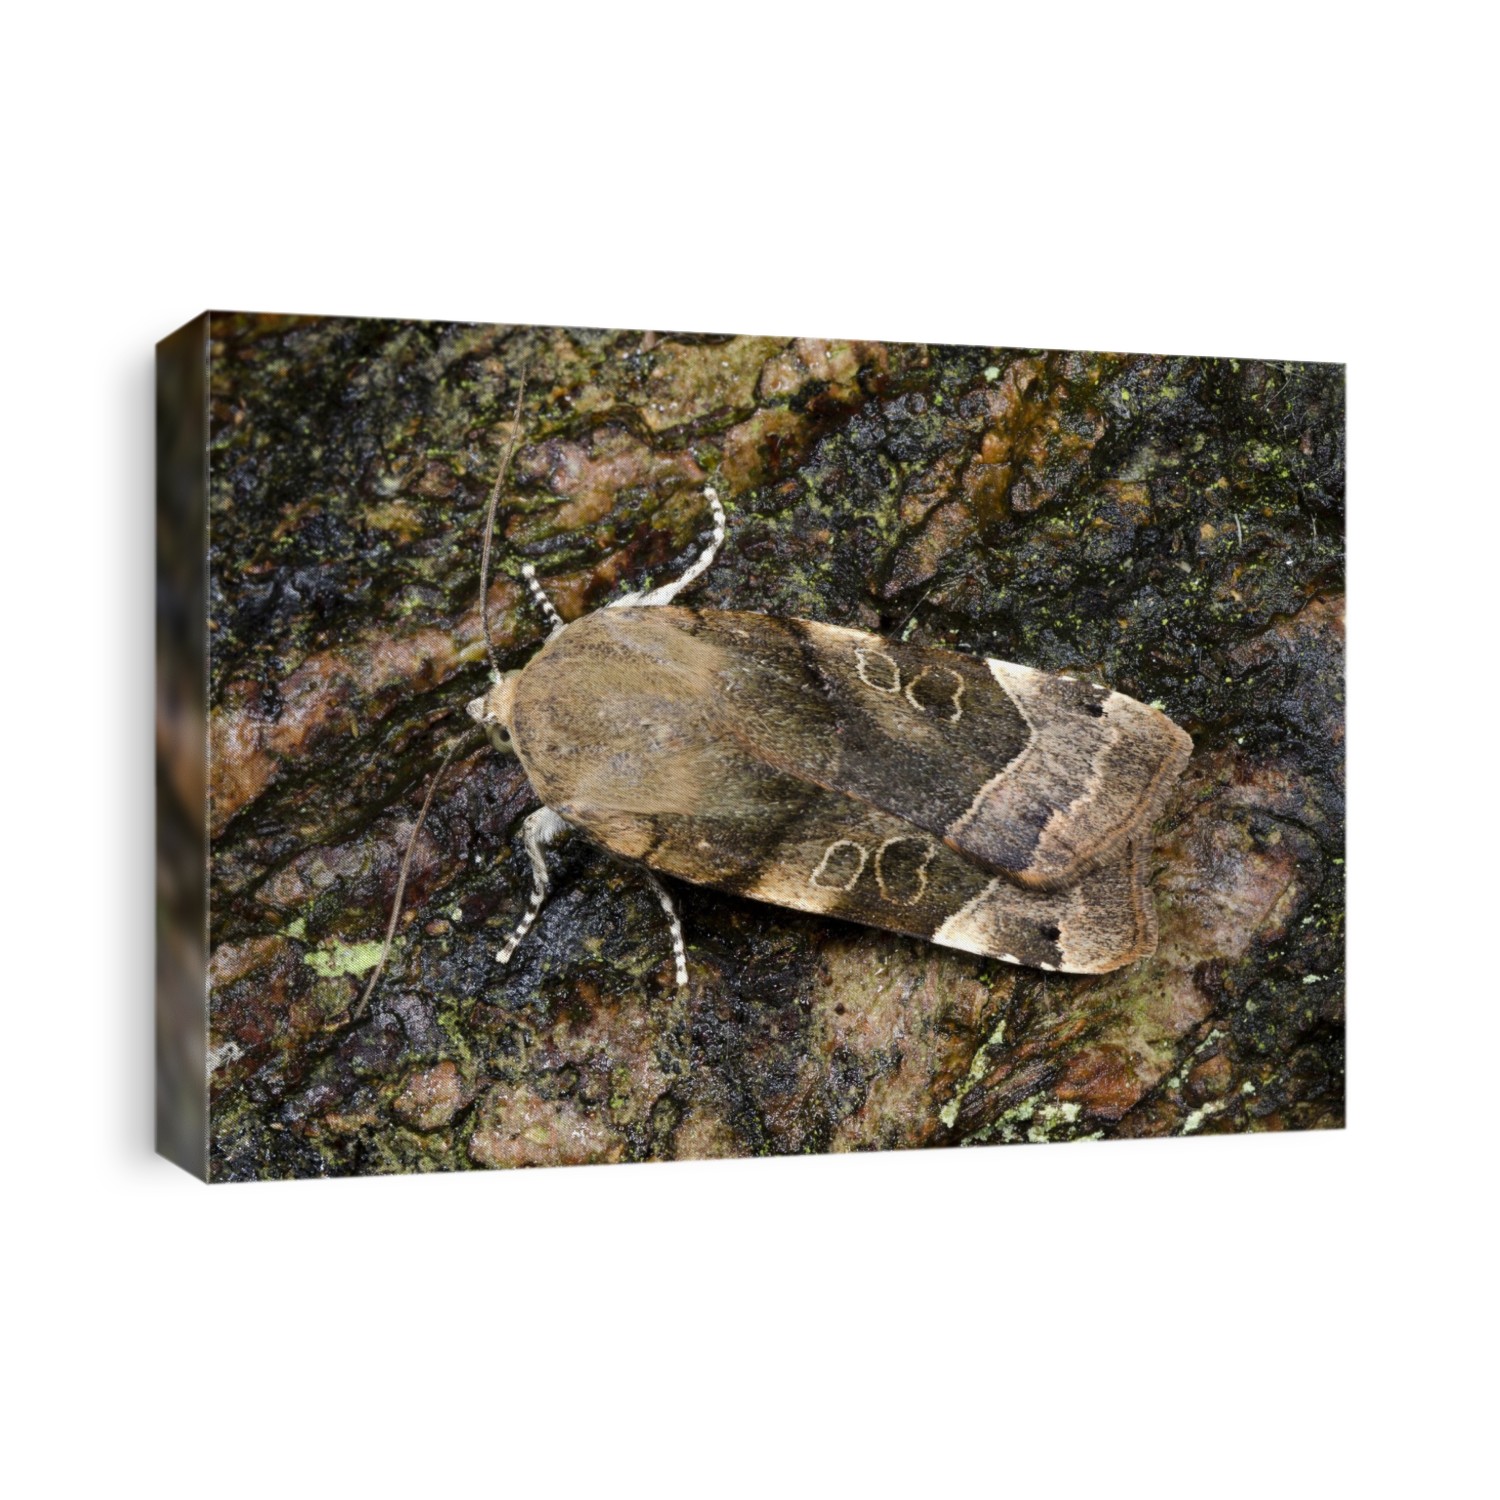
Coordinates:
[1031,775]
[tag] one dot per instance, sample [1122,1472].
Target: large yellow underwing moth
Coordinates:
[977,804]
[974,803]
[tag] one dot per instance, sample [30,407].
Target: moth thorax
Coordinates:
[494,709]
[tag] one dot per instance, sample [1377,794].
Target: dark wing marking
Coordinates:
[844,858]
[1039,777]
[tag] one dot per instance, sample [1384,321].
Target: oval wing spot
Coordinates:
[901,869]
[937,690]
[842,864]
[877,670]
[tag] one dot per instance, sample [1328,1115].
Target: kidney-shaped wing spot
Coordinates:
[901,868]
[937,690]
[876,670]
[842,864]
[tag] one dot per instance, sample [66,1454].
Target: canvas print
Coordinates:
[587,746]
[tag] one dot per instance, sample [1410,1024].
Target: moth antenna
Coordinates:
[540,599]
[679,951]
[489,524]
[539,830]
[900,631]
[411,843]
[669,591]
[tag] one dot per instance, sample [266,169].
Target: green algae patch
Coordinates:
[949,1112]
[342,958]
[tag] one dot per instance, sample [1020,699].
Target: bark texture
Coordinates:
[1172,526]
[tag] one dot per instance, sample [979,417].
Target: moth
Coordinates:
[973,803]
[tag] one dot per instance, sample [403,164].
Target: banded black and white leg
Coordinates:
[674,923]
[539,830]
[540,599]
[669,591]
[663,595]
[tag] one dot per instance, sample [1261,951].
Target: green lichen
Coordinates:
[1199,1115]
[338,959]
[977,1069]
[1037,1118]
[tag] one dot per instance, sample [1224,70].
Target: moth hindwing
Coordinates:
[977,804]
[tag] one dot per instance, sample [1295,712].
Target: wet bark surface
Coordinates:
[1171,526]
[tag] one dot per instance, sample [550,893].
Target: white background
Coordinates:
[1260,1316]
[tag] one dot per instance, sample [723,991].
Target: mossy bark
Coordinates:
[1172,526]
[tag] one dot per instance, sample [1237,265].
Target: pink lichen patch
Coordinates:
[430,1097]
[590,476]
[763,447]
[331,693]
[834,363]
[912,1034]
[233,961]
[519,1128]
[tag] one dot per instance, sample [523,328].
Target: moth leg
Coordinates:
[539,830]
[540,599]
[679,951]
[669,591]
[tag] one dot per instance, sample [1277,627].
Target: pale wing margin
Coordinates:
[1095,774]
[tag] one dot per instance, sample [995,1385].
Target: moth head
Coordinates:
[493,710]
